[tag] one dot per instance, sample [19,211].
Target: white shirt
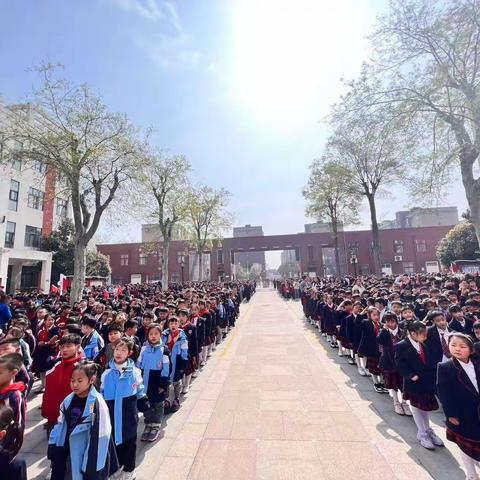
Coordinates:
[444,334]
[393,332]
[470,371]
[415,344]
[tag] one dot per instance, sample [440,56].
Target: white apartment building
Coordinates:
[28,210]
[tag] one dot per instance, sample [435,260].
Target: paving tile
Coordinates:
[250,425]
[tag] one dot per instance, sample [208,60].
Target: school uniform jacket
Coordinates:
[434,345]
[368,346]
[92,345]
[409,364]
[179,354]
[456,326]
[191,334]
[125,395]
[199,323]
[154,362]
[459,397]
[387,355]
[92,452]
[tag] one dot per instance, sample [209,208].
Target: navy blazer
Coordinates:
[341,320]
[456,326]
[368,346]
[387,353]
[409,364]
[459,397]
[434,345]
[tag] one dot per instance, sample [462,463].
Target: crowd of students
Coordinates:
[417,337]
[98,363]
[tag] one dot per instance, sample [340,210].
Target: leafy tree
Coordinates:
[164,181]
[98,264]
[60,242]
[428,53]
[207,218]
[460,243]
[330,196]
[92,150]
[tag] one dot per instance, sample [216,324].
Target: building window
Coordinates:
[39,165]
[32,236]
[142,259]
[421,245]
[10,234]
[35,198]
[408,267]
[220,256]
[124,259]
[310,253]
[397,246]
[353,248]
[61,209]
[13,195]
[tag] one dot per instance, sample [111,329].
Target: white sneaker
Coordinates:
[398,409]
[362,372]
[129,476]
[436,440]
[406,409]
[185,389]
[426,442]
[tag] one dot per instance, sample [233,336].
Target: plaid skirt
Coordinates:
[372,366]
[467,446]
[191,366]
[393,380]
[423,401]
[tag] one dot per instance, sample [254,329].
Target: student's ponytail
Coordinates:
[12,442]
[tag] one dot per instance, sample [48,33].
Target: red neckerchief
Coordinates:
[172,339]
[204,311]
[13,387]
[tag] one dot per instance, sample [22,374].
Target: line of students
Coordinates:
[416,361]
[92,417]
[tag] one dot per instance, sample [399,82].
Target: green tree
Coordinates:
[60,242]
[330,197]
[98,264]
[460,243]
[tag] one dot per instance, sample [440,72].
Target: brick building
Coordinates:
[403,250]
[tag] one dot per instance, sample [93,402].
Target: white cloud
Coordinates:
[161,11]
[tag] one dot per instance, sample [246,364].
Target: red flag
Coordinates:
[53,289]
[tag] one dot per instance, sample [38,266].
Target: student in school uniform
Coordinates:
[368,348]
[460,323]
[191,333]
[388,339]
[354,332]
[344,344]
[437,337]
[416,368]
[458,383]
[329,320]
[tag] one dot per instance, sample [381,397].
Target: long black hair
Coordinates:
[12,441]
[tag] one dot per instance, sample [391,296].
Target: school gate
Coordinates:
[408,250]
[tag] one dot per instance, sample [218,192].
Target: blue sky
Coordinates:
[238,86]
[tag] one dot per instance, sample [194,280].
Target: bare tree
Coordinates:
[428,52]
[165,183]
[207,218]
[92,150]
[370,145]
[330,196]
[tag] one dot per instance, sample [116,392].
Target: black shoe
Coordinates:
[146,433]
[175,406]
[166,407]
[154,434]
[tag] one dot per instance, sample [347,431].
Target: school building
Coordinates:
[409,250]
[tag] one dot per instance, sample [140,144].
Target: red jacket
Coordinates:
[57,387]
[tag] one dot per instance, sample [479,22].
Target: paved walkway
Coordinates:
[274,402]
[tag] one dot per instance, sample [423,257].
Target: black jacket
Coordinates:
[409,364]
[434,345]
[387,351]
[459,397]
[456,326]
[368,346]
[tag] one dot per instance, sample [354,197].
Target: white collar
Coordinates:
[415,344]
[393,332]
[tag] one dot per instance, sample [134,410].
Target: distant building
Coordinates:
[288,256]
[321,227]
[248,259]
[151,233]
[422,217]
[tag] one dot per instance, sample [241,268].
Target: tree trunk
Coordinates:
[165,252]
[375,234]
[471,186]
[200,266]
[335,244]
[79,255]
